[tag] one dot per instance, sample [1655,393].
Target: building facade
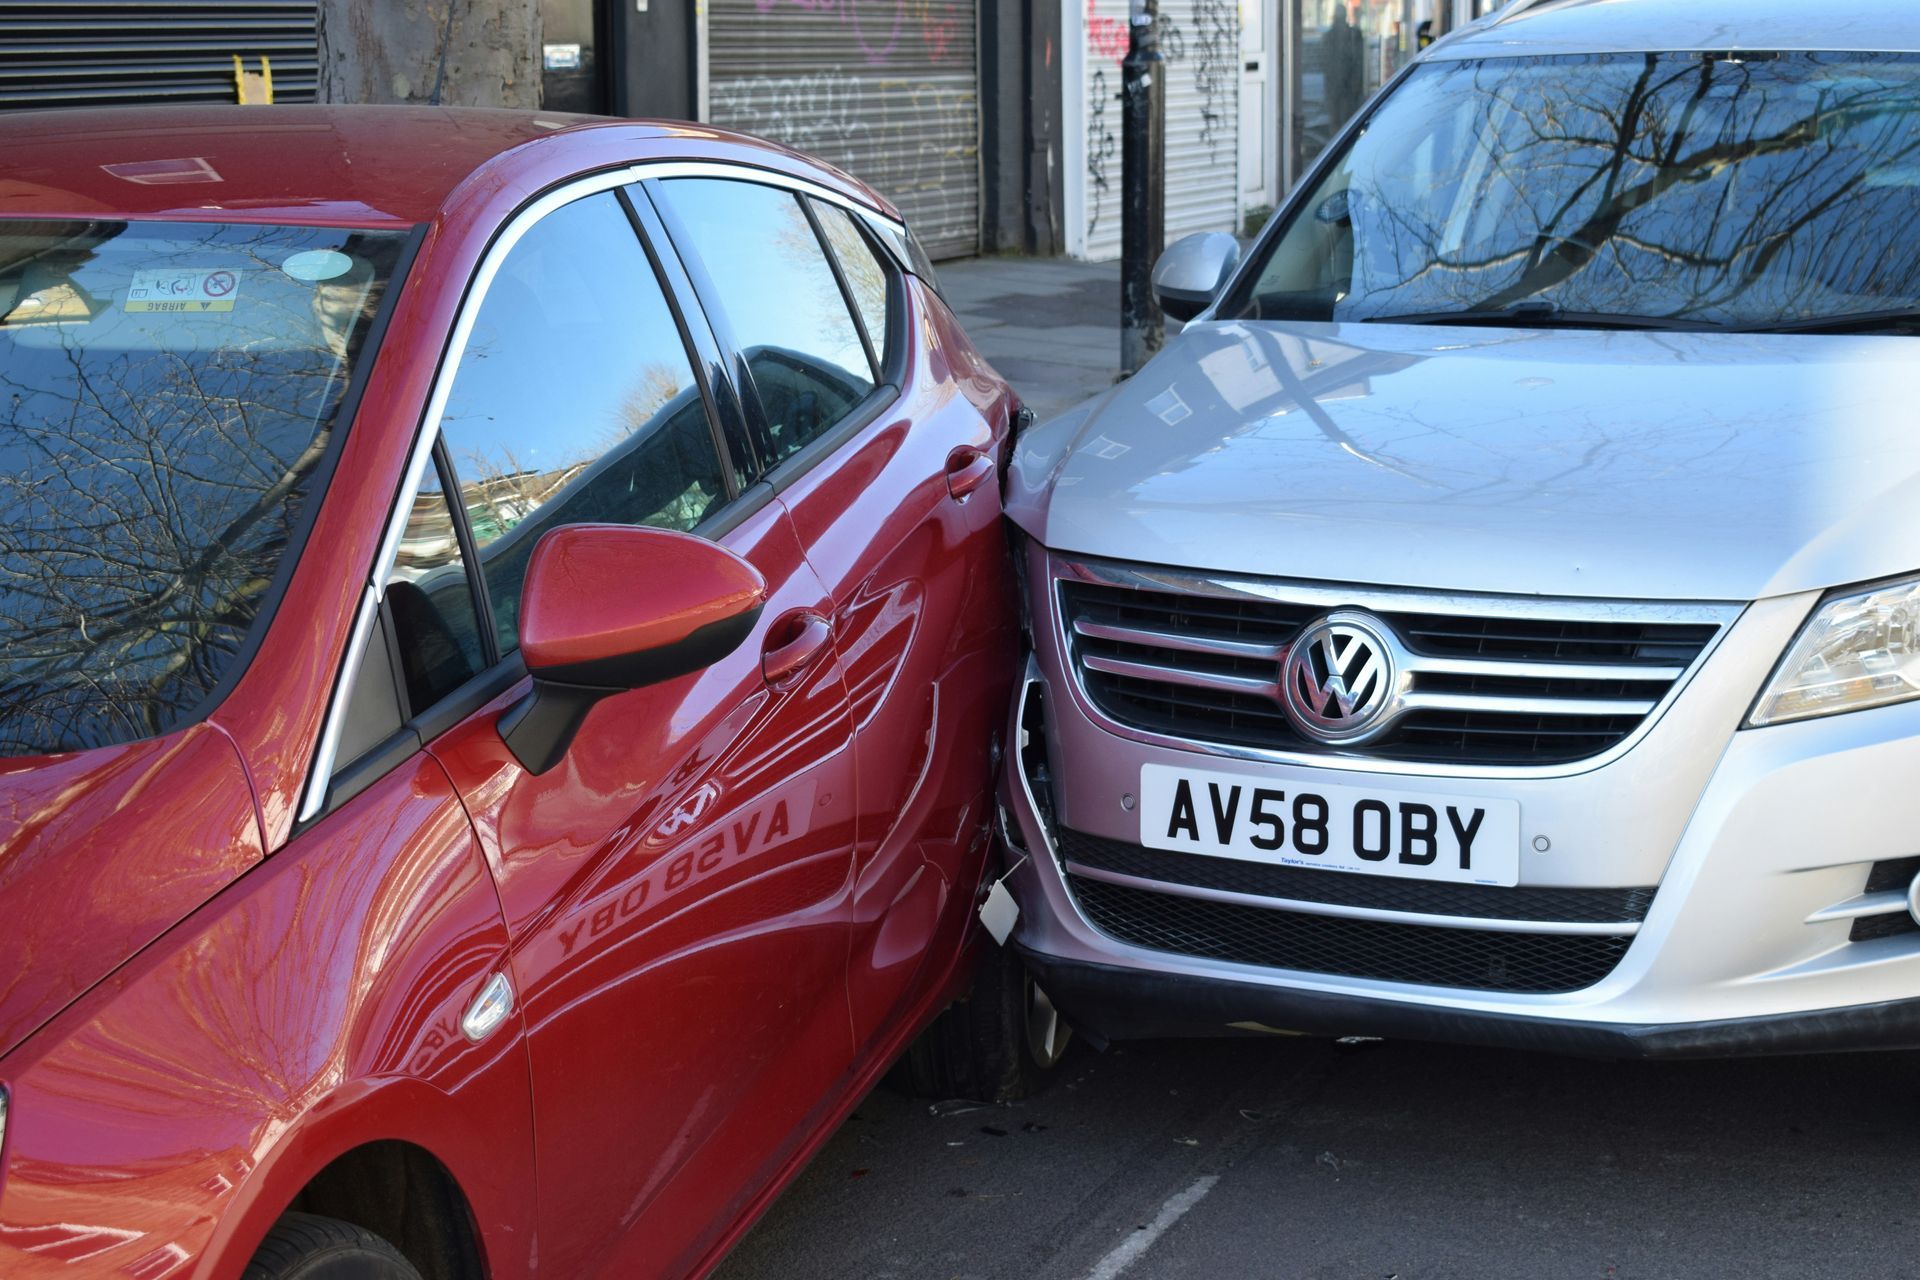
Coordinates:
[993,124]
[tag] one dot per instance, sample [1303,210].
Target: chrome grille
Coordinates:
[1491,681]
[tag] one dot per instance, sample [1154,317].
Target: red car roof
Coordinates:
[354,165]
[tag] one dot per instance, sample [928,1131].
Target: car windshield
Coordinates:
[167,395]
[1658,190]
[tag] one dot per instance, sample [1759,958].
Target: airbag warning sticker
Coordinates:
[177,290]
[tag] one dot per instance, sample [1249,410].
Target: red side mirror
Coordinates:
[607,608]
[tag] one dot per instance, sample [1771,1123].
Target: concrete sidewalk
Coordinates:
[1051,326]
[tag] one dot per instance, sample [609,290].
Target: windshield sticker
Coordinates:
[314,265]
[177,290]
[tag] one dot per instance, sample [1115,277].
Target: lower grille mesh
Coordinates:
[1476,959]
[1387,893]
[1895,873]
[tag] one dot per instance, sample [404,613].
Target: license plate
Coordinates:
[1281,819]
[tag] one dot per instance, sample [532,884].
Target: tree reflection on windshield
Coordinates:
[166,396]
[1741,190]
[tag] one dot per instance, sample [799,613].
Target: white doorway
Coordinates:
[1259,104]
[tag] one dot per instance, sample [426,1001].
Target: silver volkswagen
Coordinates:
[1494,617]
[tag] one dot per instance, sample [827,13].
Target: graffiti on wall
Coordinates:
[1106,37]
[1215,49]
[1200,39]
[873,125]
[1102,143]
[876,27]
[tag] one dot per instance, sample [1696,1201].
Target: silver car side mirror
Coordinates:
[1191,272]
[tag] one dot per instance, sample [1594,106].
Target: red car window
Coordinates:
[770,285]
[575,400]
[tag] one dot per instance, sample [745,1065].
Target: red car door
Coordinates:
[675,886]
[862,384]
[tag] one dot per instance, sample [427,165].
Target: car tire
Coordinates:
[999,1043]
[306,1246]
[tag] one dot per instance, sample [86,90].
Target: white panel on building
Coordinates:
[1201,42]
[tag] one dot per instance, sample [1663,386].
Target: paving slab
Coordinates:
[1051,326]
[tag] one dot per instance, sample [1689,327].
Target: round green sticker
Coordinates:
[313,265]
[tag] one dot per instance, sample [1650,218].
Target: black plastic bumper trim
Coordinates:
[1108,1002]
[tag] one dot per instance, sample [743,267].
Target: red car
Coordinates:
[503,620]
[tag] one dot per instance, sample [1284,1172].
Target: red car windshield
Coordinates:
[167,395]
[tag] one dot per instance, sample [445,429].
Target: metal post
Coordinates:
[1142,185]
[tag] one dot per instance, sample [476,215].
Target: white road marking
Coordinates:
[1130,1250]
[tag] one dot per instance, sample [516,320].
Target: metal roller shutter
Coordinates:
[1201,42]
[887,90]
[96,52]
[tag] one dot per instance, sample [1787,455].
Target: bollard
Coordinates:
[1143,96]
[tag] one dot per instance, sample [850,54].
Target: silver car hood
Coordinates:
[1676,466]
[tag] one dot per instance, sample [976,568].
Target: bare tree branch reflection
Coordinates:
[1735,190]
[154,466]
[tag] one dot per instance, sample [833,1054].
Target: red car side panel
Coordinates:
[683,967]
[676,889]
[925,624]
[160,1125]
[103,851]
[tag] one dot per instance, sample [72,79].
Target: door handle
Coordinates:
[967,470]
[810,634]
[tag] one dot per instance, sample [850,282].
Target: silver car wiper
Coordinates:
[1891,320]
[1534,314]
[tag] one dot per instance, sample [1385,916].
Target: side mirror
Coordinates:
[1191,272]
[607,608]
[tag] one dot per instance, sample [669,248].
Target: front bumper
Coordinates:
[1759,844]
[1116,1002]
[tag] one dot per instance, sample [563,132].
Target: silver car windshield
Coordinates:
[1747,191]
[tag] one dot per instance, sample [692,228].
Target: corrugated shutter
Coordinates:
[1201,42]
[98,52]
[887,90]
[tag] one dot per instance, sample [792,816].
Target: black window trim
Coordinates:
[846,289]
[730,476]
[469,555]
[702,341]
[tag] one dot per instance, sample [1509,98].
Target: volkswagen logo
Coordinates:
[1339,679]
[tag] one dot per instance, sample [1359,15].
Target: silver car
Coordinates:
[1494,617]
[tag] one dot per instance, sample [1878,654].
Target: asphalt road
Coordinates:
[1391,1161]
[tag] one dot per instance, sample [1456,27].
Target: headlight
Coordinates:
[1858,650]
